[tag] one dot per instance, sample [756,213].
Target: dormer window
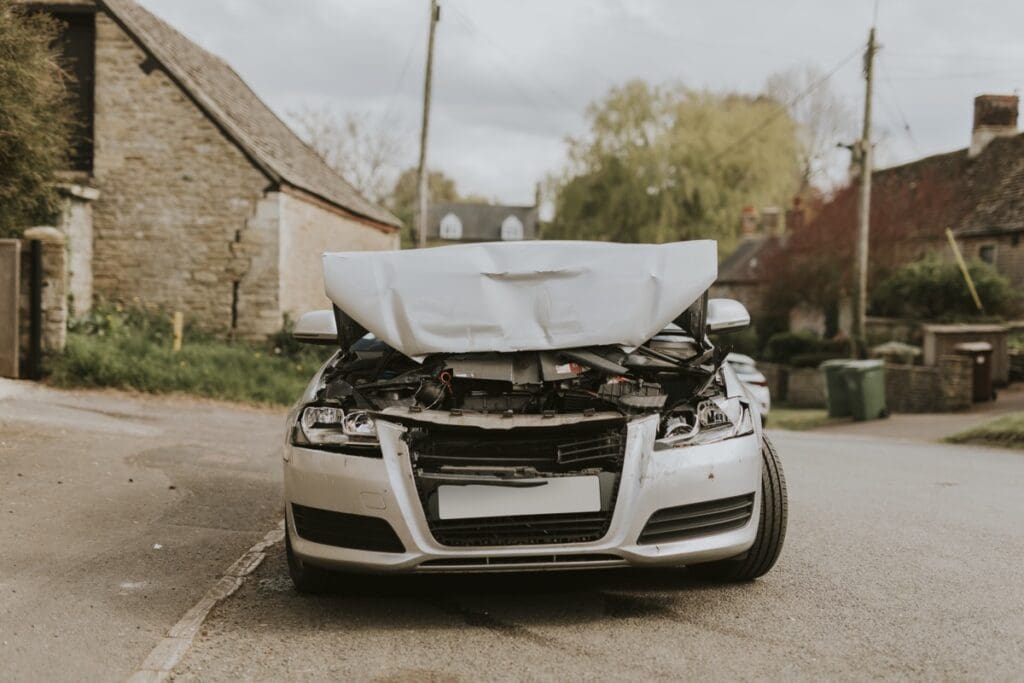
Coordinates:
[511,229]
[451,227]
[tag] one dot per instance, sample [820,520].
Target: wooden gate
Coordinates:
[10,278]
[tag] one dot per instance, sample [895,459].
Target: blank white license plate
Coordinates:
[557,495]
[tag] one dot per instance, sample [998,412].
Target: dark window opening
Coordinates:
[234,305]
[77,44]
[987,253]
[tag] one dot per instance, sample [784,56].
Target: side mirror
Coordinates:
[727,315]
[316,327]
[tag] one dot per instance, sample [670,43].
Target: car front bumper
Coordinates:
[651,480]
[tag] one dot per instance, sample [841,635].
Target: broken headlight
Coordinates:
[329,427]
[710,421]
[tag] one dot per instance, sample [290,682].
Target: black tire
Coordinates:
[771,532]
[306,577]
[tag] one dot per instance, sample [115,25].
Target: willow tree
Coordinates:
[670,163]
[34,118]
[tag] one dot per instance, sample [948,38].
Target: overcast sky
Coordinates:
[512,79]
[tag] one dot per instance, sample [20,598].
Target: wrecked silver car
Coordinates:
[528,406]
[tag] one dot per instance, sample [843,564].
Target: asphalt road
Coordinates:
[903,560]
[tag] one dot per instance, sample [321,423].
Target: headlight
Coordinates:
[326,427]
[709,422]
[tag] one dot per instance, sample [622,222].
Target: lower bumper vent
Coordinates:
[525,530]
[344,530]
[700,519]
[579,559]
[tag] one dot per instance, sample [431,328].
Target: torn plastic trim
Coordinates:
[405,416]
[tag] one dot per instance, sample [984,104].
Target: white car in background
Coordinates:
[753,379]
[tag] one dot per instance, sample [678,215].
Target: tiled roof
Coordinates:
[482,222]
[919,200]
[745,261]
[243,116]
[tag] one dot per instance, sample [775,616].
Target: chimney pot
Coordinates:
[995,116]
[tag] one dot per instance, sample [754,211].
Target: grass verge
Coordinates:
[1006,431]
[132,350]
[798,419]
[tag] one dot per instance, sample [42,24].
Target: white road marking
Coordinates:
[172,648]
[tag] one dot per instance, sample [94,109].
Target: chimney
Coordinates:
[995,116]
[748,221]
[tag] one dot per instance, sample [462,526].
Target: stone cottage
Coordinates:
[186,191]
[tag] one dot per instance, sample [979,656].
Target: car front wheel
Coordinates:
[771,531]
[306,577]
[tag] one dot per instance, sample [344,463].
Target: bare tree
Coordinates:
[823,118]
[358,145]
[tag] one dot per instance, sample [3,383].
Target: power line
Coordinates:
[902,116]
[960,57]
[787,106]
[475,30]
[392,107]
[950,77]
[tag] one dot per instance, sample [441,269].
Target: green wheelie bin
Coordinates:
[865,384]
[837,396]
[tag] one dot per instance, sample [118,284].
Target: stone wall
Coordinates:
[76,224]
[1008,257]
[805,388]
[777,377]
[941,388]
[308,229]
[54,298]
[177,199]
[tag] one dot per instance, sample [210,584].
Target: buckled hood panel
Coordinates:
[522,296]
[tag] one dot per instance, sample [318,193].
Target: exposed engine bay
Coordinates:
[666,374]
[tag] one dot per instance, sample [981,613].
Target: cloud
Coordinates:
[512,79]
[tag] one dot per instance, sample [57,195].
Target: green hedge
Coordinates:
[803,350]
[131,349]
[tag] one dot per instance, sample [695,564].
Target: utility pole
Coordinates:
[864,205]
[421,174]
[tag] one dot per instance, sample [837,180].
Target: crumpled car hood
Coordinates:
[519,296]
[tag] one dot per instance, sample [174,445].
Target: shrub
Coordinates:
[34,118]
[803,350]
[132,349]
[934,289]
[744,341]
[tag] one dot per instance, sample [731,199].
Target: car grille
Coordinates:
[345,530]
[547,449]
[597,446]
[525,530]
[700,519]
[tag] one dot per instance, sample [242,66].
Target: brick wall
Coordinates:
[945,387]
[308,229]
[805,388]
[777,377]
[54,297]
[1009,254]
[177,200]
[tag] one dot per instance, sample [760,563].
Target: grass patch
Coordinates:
[1006,431]
[132,349]
[799,419]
